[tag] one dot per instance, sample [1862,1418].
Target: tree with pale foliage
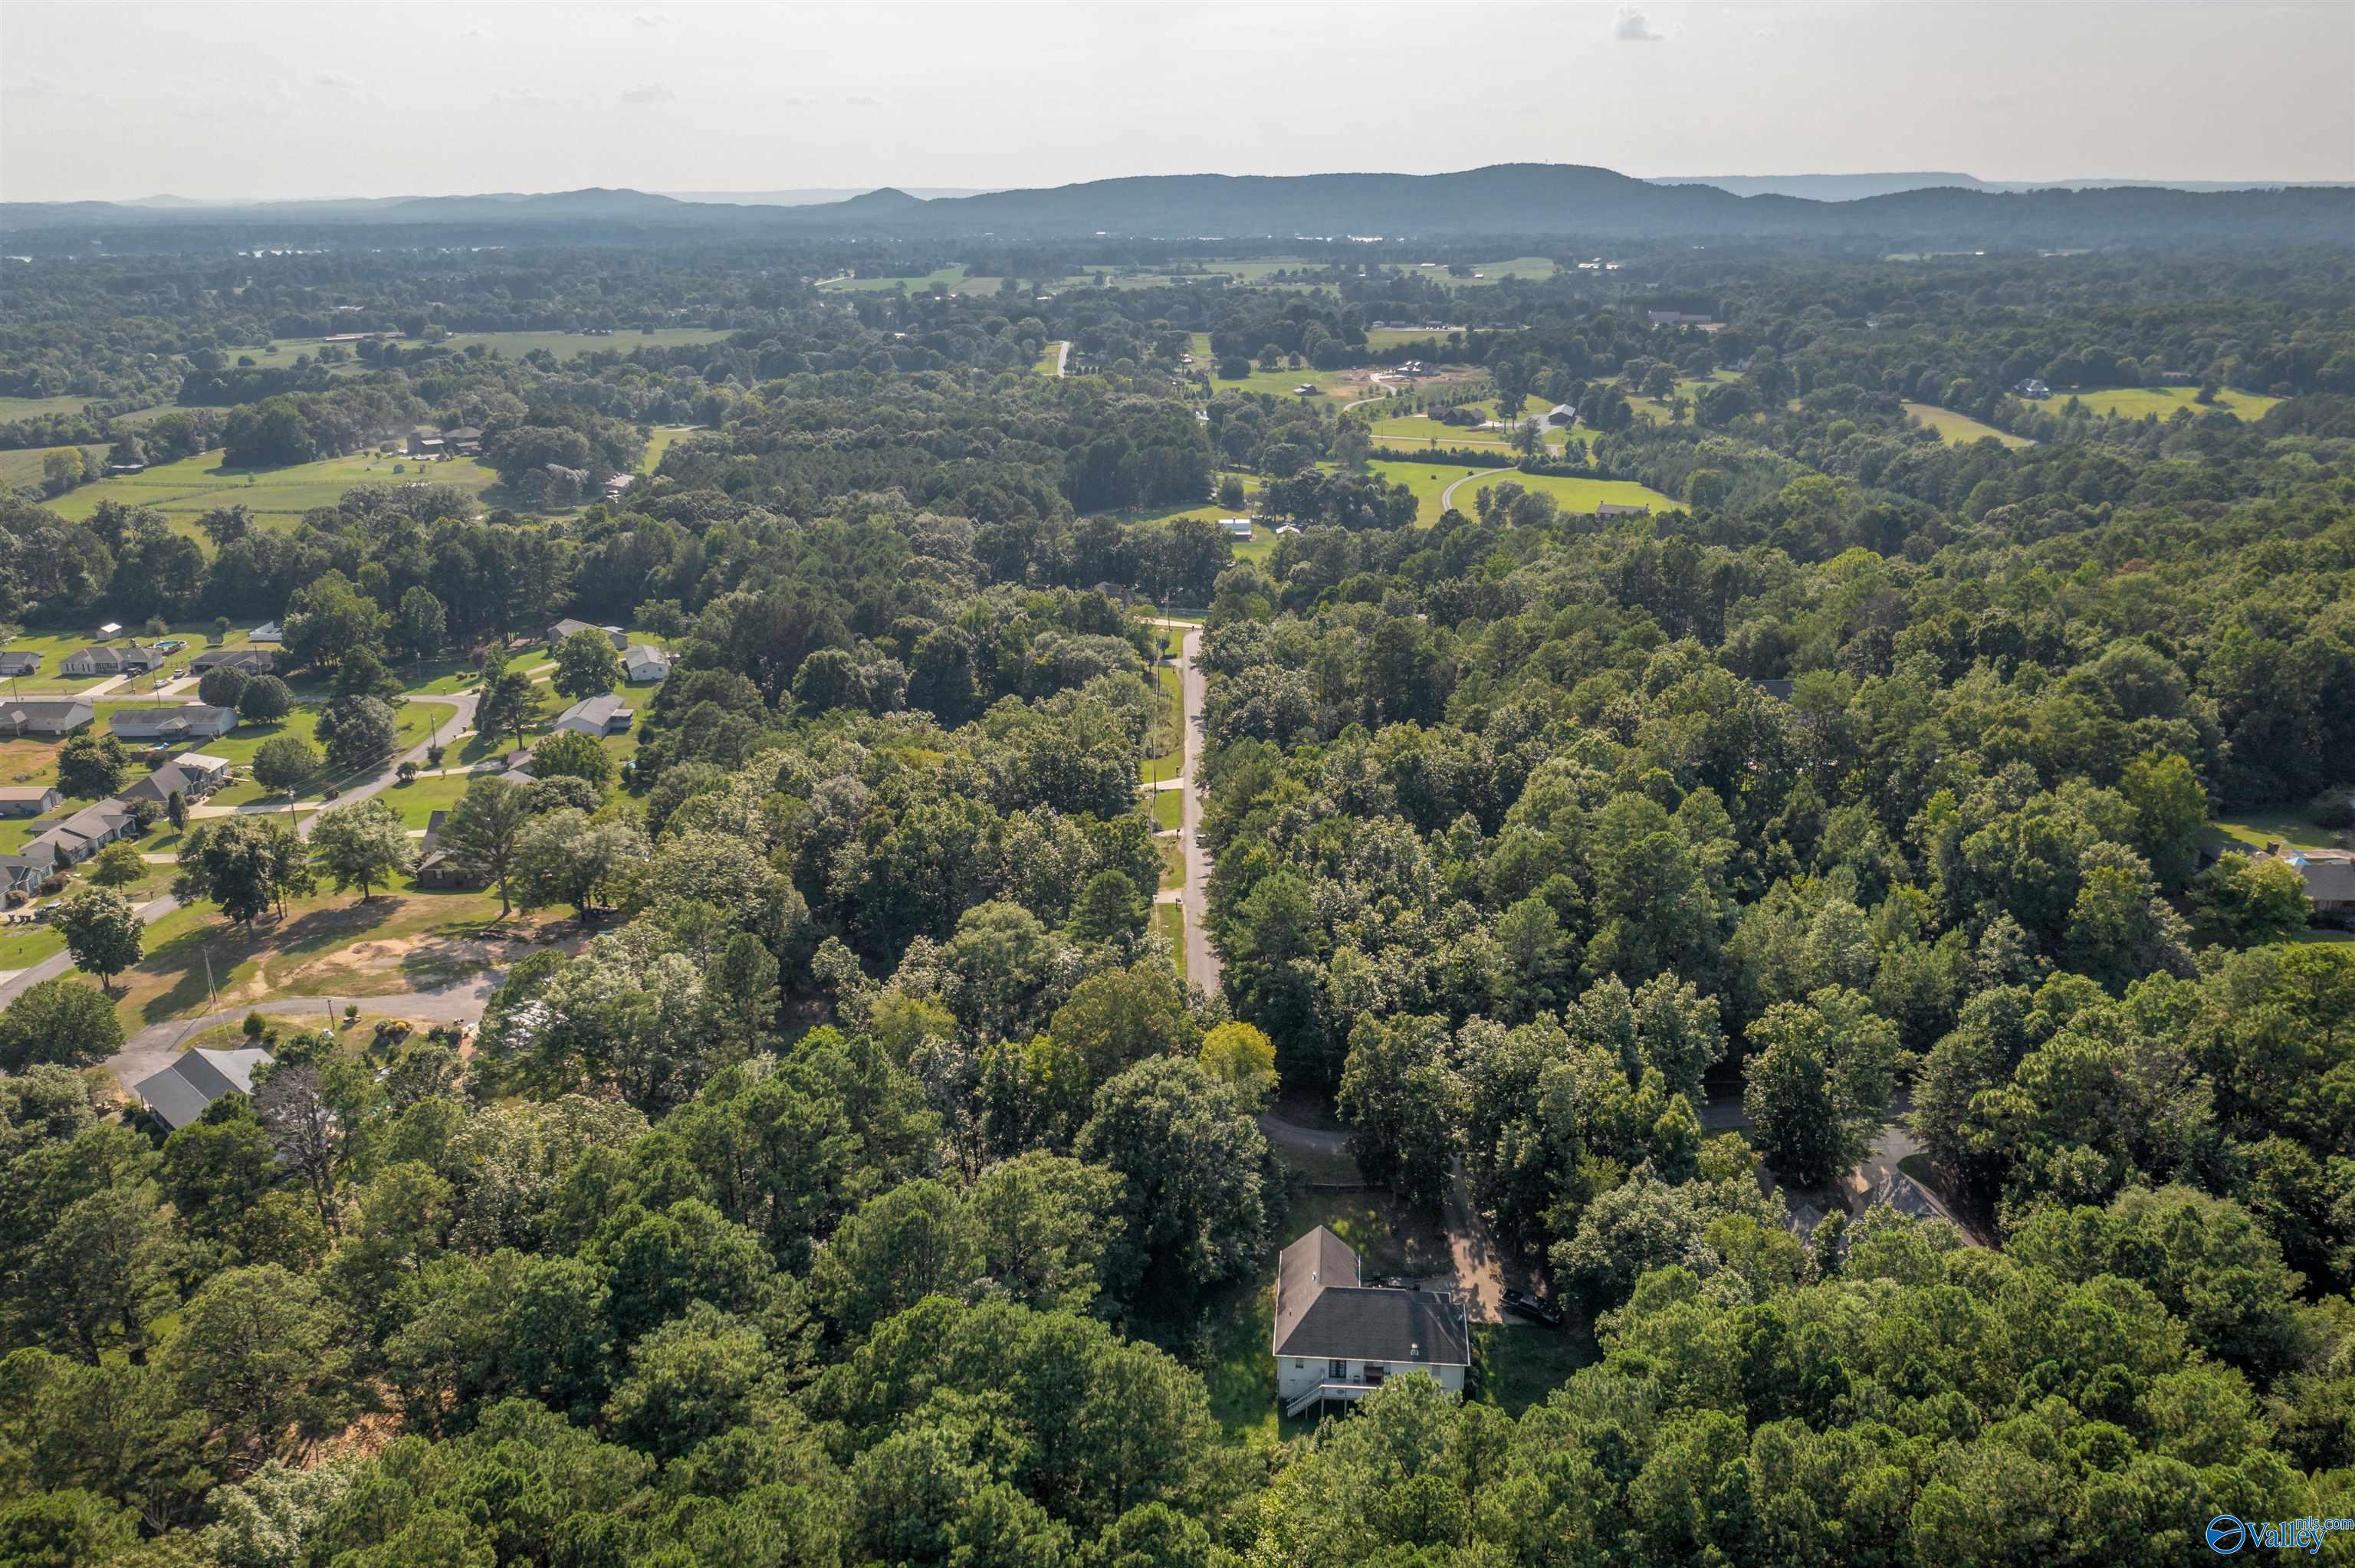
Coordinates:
[362,845]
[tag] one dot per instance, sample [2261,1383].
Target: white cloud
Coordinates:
[1633,28]
[651,92]
[336,80]
[862,100]
[650,19]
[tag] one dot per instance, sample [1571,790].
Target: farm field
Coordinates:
[22,465]
[947,277]
[2134,402]
[186,490]
[1050,362]
[40,407]
[1656,410]
[664,438]
[1392,337]
[1431,481]
[1279,383]
[1960,430]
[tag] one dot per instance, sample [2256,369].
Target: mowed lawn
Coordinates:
[2279,824]
[1277,383]
[13,408]
[1431,481]
[21,466]
[1960,430]
[2134,402]
[186,490]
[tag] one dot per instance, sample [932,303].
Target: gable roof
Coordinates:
[601,710]
[179,1094]
[1322,1310]
[2330,874]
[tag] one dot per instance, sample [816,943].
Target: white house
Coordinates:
[606,714]
[1236,527]
[1337,1338]
[642,662]
[190,720]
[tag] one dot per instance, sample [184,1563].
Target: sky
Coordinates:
[115,100]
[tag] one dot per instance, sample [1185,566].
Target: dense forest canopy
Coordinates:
[867,1183]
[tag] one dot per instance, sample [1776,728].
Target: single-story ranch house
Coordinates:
[60,715]
[181,1092]
[566,627]
[606,714]
[132,659]
[192,721]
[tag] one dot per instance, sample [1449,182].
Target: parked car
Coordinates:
[1521,1303]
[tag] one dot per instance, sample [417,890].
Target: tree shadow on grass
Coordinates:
[232,948]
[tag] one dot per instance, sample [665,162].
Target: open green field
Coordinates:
[1960,430]
[1279,383]
[2278,824]
[420,799]
[1656,410]
[21,466]
[660,441]
[186,490]
[284,351]
[1392,337]
[41,407]
[2134,402]
[1051,363]
[1431,481]
[943,277]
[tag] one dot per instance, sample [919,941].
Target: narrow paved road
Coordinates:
[152,1049]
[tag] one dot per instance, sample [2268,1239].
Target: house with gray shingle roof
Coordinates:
[605,714]
[1337,1338]
[181,1092]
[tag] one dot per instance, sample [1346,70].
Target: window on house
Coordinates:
[1338,1370]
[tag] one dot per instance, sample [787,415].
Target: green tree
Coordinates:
[1819,1082]
[1109,909]
[1399,1101]
[243,864]
[284,763]
[1242,1057]
[509,704]
[364,845]
[91,767]
[586,665]
[259,1358]
[59,1021]
[484,832]
[118,864]
[568,754]
[265,699]
[563,857]
[421,626]
[359,733]
[103,932]
[223,686]
[1192,1162]
[2251,900]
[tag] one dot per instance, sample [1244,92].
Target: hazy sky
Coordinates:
[115,101]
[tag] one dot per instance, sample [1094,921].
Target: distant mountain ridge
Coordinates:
[1503,199]
[1857,187]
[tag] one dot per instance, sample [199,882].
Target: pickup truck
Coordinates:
[1521,1303]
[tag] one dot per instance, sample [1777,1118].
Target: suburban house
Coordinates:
[16,661]
[181,1092]
[84,833]
[618,484]
[2032,387]
[566,627]
[209,772]
[252,661]
[2329,877]
[642,662]
[24,872]
[606,714]
[1609,509]
[132,659]
[1337,1338]
[514,769]
[62,715]
[434,868]
[1236,527]
[29,799]
[463,442]
[189,783]
[169,727]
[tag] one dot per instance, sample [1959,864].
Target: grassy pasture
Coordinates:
[2277,824]
[1960,430]
[1429,481]
[186,490]
[1278,382]
[1380,338]
[2134,402]
[944,279]
[22,465]
[41,407]
[281,353]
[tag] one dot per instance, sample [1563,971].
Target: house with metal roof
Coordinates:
[1339,1339]
[180,1093]
[62,715]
